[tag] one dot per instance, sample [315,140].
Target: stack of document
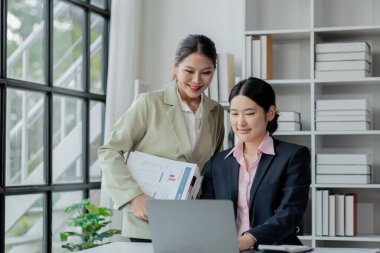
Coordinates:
[163,178]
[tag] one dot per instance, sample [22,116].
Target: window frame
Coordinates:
[49,90]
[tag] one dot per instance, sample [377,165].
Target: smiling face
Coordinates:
[248,119]
[194,75]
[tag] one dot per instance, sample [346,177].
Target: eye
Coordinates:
[189,71]
[207,73]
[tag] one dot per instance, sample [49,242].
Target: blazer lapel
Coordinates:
[176,120]
[233,168]
[262,169]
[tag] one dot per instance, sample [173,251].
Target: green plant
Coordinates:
[90,219]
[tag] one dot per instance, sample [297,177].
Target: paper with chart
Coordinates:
[163,178]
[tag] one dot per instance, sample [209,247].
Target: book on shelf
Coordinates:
[343,179]
[266,57]
[350,169]
[342,104]
[343,56]
[343,126]
[285,126]
[339,209]
[289,116]
[355,46]
[344,118]
[342,74]
[226,75]
[163,178]
[350,214]
[332,214]
[318,213]
[359,158]
[366,113]
[227,129]
[248,56]
[256,58]
[343,65]
[325,212]
[214,86]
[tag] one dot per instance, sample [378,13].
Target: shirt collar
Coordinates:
[186,108]
[266,146]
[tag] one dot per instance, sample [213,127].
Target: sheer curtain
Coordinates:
[125,26]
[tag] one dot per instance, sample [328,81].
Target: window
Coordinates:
[52,105]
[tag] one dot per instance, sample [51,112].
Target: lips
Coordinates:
[244,131]
[195,88]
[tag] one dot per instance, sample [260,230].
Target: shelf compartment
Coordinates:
[331,13]
[353,90]
[290,14]
[294,98]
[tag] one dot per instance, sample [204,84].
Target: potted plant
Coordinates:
[90,220]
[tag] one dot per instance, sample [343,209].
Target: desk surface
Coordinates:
[130,247]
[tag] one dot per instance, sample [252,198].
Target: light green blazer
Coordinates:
[155,124]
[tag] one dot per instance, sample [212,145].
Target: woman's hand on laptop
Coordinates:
[246,241]
[138,206]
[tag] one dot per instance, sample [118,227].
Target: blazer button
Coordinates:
[174,150]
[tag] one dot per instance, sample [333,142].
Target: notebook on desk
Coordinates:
[192,226]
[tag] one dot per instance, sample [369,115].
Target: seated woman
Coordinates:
[267,179]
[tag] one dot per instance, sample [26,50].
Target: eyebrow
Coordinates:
[207,68]
[246,109]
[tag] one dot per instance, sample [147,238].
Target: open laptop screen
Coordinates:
[192,226]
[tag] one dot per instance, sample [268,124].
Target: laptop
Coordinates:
[192,226]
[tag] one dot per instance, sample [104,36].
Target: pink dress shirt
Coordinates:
[246,176]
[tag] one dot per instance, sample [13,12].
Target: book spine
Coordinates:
[350,214]
[342,104]
[360,46]
[343,65]
[344,158]
[332,215]
[339,228]
[343,126]
[343,179]
[343,169]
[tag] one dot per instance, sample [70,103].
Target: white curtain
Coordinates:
[125,26]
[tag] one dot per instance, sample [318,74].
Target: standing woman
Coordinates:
[178,123]
[267,179]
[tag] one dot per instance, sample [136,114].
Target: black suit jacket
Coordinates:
[279,193]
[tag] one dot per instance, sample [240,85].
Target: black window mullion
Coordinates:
[48,124]
[3,29]
[86,106]
[3,36]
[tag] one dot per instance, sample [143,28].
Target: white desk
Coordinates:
[130,247]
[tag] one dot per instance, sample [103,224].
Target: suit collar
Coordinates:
[262,169]
[175,116]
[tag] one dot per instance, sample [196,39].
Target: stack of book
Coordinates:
[343,114]
[258,58]
[289,121]
[336,214]
[343,60]
[343,169]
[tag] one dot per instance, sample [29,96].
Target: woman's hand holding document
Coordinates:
[163,178]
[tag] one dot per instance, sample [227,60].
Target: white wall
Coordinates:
[166,22]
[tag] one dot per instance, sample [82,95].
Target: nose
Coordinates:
[241,120]
[197,78]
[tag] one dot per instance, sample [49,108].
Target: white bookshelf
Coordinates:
[296,26]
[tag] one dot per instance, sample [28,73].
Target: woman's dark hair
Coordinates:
[195,43]
[261,93]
